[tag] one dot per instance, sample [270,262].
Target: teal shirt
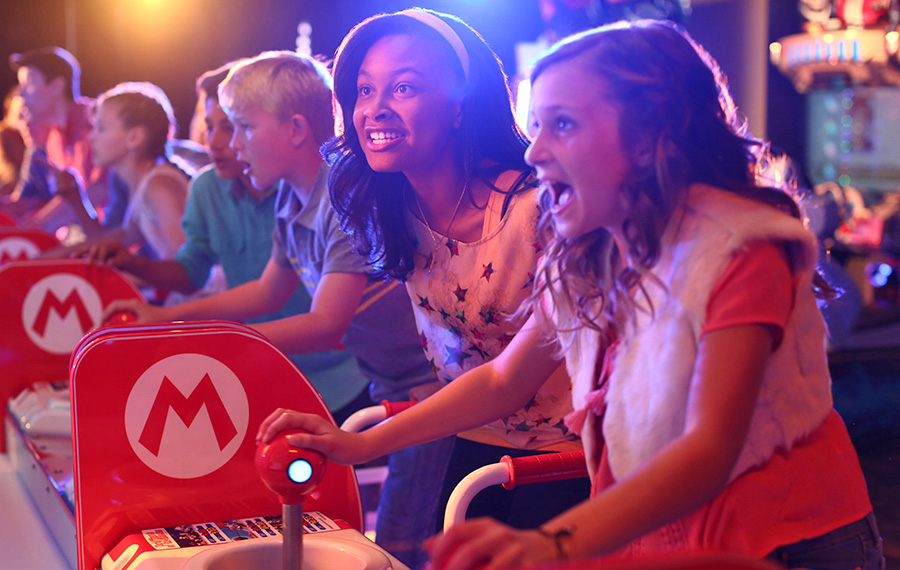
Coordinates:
[224,224]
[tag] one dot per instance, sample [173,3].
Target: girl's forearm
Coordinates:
[685,476]
[470,401]
[489,392]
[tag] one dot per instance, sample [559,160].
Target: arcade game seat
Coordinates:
[164,419]
[46,307]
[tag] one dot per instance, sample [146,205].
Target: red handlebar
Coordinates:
[546,467]
[394,408]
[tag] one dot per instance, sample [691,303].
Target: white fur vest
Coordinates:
[652,370]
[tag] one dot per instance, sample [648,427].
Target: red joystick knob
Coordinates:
[121,318]
[289,472]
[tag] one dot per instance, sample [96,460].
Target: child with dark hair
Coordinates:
[280,104]
[55,123]
[12,143]
[429,179]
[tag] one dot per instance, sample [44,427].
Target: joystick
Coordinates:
[291,473]
[120,318]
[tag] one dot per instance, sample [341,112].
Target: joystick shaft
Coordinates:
[291,473]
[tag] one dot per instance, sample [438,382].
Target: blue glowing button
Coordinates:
[300,471]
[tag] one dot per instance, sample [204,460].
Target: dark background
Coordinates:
[171,42]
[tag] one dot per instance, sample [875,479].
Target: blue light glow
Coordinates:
[881,275]
[300,471]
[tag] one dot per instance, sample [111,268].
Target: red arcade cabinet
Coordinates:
[46,307]
[7,219]
[164,422]
[19,244]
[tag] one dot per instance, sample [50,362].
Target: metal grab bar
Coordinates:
[511,472]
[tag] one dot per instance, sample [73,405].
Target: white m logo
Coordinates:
[17,249]
[186,416]
[60,309]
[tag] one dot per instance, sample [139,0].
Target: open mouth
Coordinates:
[382,137]
[559,193]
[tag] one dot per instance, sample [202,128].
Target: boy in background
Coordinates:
[229,223]
[280,106]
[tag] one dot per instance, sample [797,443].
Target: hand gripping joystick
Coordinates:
[291,473]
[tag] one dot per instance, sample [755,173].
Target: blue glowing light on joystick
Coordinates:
[289,472]
[300,471]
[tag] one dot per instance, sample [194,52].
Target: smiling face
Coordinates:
[219,132]
[405,112]
[264,144]
[577,149]
[109,137]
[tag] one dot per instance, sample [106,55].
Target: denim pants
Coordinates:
[409,502]
[856,546]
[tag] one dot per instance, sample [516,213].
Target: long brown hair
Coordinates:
[679,126]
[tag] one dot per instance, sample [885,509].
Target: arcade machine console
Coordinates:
[164,419]
[48,306]
[19,244]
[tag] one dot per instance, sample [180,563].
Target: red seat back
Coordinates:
[164,423]
[46,307]
[19,244]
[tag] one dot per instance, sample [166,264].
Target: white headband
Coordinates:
[443,28]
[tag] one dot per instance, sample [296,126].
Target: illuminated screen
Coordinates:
[853,137]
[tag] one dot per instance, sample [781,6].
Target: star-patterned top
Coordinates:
[463,304]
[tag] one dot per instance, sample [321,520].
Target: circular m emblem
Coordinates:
[60,309]
[186,416]
[17,248]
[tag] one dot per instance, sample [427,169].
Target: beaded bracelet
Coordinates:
[557,537]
